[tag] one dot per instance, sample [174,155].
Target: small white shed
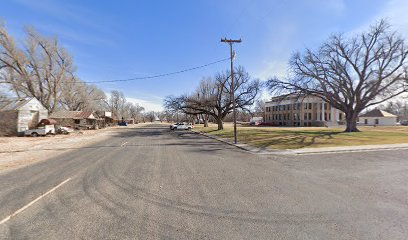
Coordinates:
[379,118]
[18,115]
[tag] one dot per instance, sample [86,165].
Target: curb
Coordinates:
[220,140]
[258,151]
[350,150]
[245,147]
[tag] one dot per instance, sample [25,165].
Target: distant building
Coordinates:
[19,115]
[75,119]
[104,118]
[301,111]
[378,117]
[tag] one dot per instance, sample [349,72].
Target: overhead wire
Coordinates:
[158,75]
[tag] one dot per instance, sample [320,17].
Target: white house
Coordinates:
[378,117]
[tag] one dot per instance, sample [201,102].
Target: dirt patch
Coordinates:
[20,151]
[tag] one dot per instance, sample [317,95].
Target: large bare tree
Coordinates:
[213,96]
[37,68]
[351,73]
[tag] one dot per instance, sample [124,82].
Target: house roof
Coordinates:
[14,104]
[72,114]
[377,113]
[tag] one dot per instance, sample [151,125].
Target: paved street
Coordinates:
[151,183]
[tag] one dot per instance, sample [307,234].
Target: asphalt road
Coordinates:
[151,183]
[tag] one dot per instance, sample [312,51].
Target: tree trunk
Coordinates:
[205,122]
[220,124]
[351,121]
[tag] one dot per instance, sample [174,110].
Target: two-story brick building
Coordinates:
[295,111]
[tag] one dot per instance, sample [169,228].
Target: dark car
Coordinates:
[122,124]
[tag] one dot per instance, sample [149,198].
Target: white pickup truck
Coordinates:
[47,129]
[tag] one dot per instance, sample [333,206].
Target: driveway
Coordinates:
[153,183]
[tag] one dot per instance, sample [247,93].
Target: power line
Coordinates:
[148,77]
[159,75]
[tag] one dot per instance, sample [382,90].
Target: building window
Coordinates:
[305,116]
[310,116]
[77,121]
[340,116]
[366,121]
[310,105]
[377,121]
[305,105]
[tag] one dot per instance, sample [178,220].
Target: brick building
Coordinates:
[301,111]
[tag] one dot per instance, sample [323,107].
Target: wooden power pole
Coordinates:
[232,55]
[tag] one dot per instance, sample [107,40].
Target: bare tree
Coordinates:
[259,109]
[398,107]
[38,69]
[135,111]
[79,96]
[116,104]
[351,73]
[213,97]
[150,116]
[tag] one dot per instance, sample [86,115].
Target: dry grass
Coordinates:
[295,138]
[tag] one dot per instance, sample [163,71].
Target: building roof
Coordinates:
[13,104]
[72,114]
[377,113]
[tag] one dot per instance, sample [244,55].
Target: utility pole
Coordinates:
[232,55]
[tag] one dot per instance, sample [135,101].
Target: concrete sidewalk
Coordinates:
[304,151]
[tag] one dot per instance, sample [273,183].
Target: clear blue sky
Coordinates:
[124,39]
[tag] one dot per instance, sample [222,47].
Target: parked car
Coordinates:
[255,121]
[184,126]
[47,129]
[122,124]
[404,123]
[173,126]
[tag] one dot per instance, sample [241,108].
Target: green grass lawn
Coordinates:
[295,138]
